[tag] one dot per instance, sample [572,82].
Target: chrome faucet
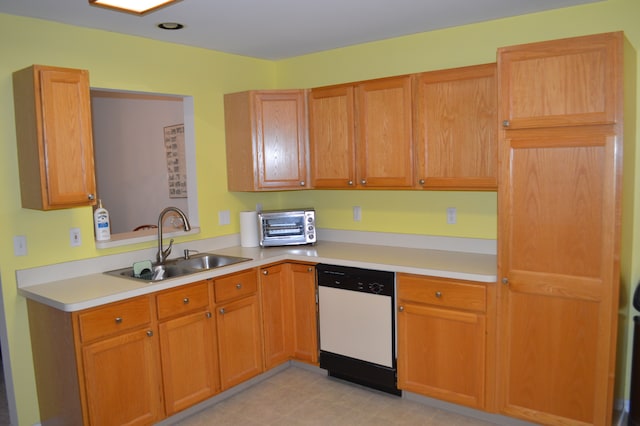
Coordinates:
[163,254]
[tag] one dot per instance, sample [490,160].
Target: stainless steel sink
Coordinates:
[179,267]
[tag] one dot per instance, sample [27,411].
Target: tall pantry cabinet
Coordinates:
[559,232]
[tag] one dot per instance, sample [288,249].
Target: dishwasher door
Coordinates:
[356,324]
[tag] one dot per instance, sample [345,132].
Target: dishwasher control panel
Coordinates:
[356,279]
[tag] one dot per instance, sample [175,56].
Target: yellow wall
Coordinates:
[117,61]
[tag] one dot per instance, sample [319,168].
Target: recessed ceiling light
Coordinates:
[137,7]
[170,26]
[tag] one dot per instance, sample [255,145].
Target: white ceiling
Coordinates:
[277,29]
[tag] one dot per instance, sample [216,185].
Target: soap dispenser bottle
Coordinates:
[101,221]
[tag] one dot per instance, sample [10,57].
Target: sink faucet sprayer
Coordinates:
[163,254]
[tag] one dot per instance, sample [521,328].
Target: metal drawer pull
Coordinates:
[238,286]
[309,269]
[208,314]
[438,294]
[265,272]
[401,308]
[222,311]
[185,300]
[150,333]
[118,320]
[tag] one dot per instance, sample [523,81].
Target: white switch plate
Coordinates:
[20,245]
[74,237]
[452,215]
[224,217]
[259,207]
[357,213]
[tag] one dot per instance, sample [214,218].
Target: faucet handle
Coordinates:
[166,252]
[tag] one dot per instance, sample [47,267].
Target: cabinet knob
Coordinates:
[350,183]
[149,333]
[238,286]
[401,308]
[302,183]
[421,181]
[222,311]
[118,320]
[185,300]
[506,123]
[505,281]
[208,314]
[265,272]
[363,181]
[438,294]
[309,269]
[91,197]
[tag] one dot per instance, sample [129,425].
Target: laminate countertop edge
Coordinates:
[87,291]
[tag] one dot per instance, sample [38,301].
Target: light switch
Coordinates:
[357,213]
[224,217]
[452,215]
[20,245]
[74,237]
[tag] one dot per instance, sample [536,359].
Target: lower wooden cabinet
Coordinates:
[238,326]
[187,346]
[441,339]
[122,379]
[289,313]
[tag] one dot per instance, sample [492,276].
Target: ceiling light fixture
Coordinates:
[137,7]
[170,26]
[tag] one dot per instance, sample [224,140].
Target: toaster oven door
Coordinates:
[280,230]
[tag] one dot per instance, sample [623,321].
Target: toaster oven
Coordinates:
[287,227]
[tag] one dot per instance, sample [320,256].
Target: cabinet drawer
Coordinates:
[234,286]
[442,292]
[114,318]
[184,299]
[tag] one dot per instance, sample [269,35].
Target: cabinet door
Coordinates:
[441,353]
[559,263]
[55,142]
[305,313]
[239,341]
[276,314]
[123,380]
[455,128]
[561,82]
[189,361]
[384,133]
[332,137]
[266,140]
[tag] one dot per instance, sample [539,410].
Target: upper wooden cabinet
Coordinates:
[455,128]
[360,134]
[561,83]
[384,133]
[332,137]
[55,144]
[266,140]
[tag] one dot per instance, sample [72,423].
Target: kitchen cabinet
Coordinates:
[361,134]
[332,150]
[187,346]
[455,128]
[266,140]
[276,314]
[120,365]
[559,219]
[239,328]
[441,338]
[54,135]
[289,313]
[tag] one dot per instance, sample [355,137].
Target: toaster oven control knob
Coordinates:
[309,219]
[310,227]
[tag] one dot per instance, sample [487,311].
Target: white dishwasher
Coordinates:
[357,325]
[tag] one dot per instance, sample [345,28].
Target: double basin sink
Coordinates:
[179,267]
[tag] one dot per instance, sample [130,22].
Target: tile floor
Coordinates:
[297,396]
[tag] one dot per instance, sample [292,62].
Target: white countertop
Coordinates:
[86,291]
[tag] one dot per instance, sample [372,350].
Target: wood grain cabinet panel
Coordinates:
[561,83]
[455,128]
[55,140]
[266,140]
[559,217]
[441,350]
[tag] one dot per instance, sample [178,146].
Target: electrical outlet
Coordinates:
[20,245]
[224,217]
[452,215]
[259,207]
[357,213]
[74,237]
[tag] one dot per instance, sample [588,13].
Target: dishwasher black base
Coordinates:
[361,372]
